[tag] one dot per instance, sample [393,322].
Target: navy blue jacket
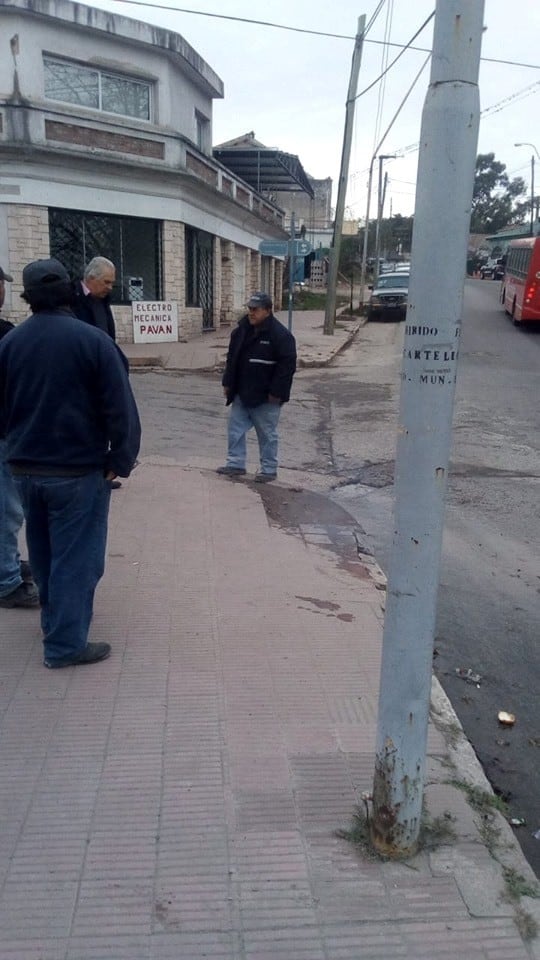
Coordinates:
[82,304]
[261,361]
[66,404]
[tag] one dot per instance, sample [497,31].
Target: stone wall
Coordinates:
[255,270]
[28,239]
[227,312]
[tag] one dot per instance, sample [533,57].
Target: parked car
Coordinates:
[388,300]
[402,268]
[493,269]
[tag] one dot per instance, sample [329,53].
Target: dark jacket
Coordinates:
[5,327]
[65,399]
[261,361]
[91,310]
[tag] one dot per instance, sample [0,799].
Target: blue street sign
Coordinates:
[301,248]
[274,248]
[281,248]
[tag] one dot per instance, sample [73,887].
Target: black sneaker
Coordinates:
[264,477]
[231,471]
[116,484]
[92,653]
[25,595]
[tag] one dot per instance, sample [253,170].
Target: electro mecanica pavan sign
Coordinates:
[154,321]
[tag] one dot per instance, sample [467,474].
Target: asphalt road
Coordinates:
[489,609]
[339,430]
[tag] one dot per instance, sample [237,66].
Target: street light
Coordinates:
[532,178]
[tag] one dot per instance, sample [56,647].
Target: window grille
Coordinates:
[132,243]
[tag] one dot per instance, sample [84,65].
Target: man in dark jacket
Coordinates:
[17,589]
[92,295]
[71,426]
[92,302]
[261,362]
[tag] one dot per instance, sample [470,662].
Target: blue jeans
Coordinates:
[11,518]
[265,419]
[66,532]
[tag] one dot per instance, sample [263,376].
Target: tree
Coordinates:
[495,196]
[349,255]
[395,237]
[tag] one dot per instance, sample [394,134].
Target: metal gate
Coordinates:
[205,243]
[200,274]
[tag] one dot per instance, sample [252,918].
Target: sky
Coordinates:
[290,88]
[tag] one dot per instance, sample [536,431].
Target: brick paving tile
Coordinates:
[199,946]
[27,948]
[284,943]
[109,947]
[367,942]
[180,801]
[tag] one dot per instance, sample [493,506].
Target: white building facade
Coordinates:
[106,149]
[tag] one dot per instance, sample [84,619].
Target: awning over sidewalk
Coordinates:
[265,169]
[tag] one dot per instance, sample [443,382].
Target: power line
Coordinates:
[395,60]
[225,16]
[488,111]
[313,33]
[384,65]
[512,98]
[374,17]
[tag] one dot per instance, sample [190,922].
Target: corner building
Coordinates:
[106,149]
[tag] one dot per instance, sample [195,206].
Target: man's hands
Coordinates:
[272,399]
[110,475]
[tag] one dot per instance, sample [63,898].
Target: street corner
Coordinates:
[323,353]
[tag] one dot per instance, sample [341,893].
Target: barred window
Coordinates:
[132,243]
[200,273]
[92,87]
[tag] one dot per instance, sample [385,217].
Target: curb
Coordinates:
[156,364]
[463,756]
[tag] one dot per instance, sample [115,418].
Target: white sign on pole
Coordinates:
[154,321]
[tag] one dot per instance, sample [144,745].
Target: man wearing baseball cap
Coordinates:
[71,427]
[17,589]
[261,362]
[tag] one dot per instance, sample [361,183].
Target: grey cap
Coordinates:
[41,273]
[5,276]
[260,299]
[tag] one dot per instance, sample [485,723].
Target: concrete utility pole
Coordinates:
[532,180]
[380,207]
[330,312]
[448,144]
[363,270]
[292,264]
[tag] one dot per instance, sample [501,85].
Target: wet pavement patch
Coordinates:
[320,522]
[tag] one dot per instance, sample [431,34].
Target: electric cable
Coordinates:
[384,65]
[395,60]
[315,33]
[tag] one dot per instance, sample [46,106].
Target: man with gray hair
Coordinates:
[91,300]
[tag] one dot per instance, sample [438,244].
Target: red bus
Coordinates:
[520,290]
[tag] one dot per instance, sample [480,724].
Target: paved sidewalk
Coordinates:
[208,351]
[179,801]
